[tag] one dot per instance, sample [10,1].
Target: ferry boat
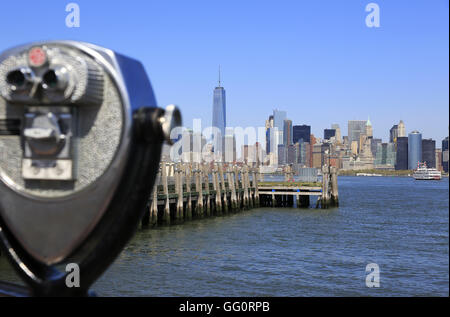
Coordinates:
[424,173]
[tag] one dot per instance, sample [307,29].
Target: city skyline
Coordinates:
[315,59]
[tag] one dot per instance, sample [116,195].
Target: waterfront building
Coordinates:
[393,134]
[438,158]
[386,156]
[414,149]
[355,128]
[329,133]
[356,163]
[301,132]
[281,154]
[304,153]
[445,155]
[287,132]
[292,153]
[429,152]
[401,130]
[373,146]
[402,153]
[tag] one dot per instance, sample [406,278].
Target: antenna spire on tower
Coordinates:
[219,75]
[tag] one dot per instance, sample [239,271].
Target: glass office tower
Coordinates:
[301,132]
[355,128]
[219,109]
[429,152]
[402,153]
[287,132]
[414,149]
[278,124]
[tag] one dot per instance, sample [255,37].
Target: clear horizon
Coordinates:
[317,60]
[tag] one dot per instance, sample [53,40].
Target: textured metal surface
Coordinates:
[51,218]
[84,78]
[97,140]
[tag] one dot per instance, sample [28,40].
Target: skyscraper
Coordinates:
[338,132]
[445,155]
[401,129]
[355,128]
[281,154]
[329,133]
[301,132]
[429,152]
[439,159]
[386,155]
[278,124]
[369,130]
[219,109]
[402,153]
[393,134]
[414,149]
[278,119]
[374,146]
[287,132]
[229,146]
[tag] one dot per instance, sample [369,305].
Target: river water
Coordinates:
[398,223]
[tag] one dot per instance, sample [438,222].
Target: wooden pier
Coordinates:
[183,192]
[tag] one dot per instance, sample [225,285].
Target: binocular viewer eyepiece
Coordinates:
[80,143]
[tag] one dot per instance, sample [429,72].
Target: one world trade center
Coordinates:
[219,113]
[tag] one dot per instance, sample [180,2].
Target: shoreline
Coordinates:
[379,174]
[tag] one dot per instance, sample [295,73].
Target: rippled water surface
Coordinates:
[399,223]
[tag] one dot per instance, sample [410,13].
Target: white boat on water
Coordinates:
[424,173]
[368,174]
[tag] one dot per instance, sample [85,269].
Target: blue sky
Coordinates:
[315,59]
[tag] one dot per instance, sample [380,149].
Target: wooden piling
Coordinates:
[334,187]
[207,191]
[166,213]
[154,204]
[325,199]
[238,188]
[250,190]
[187,176]
[224,189]
[232,185]
[245,187]
[217,189]
[199,189]
[179,191]
[255,185]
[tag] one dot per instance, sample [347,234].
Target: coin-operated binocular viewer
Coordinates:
[80,144]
